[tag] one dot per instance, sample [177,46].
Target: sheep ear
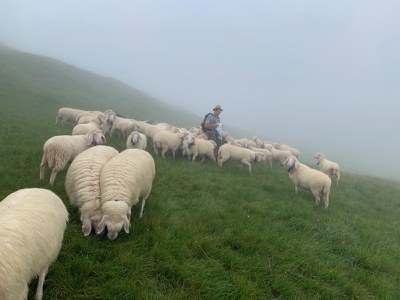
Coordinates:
[101,226]
[126,224]
[89,138]
[86,226]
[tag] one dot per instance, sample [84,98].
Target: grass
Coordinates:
[207,232]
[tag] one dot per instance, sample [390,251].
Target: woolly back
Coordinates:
[126,175]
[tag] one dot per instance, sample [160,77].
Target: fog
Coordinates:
[318,75]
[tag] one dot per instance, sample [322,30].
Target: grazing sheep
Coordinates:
[32,225]
[243,155]
[66,114]
[59,150]
[268,154]
[81,129]
[136,140]
[328,167]
[305,177]
[199,147]
[165,140]
[279,155]
[124,179]
[82,184]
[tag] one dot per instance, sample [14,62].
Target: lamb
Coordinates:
[82,184]
[294,151]
[245,156]
[98,118]
[198,147]
[32,226]
[305,177]
[328,167]
[59,150]
[136,140]
[124,179]
[167,141]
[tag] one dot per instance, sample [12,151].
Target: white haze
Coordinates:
[318,75]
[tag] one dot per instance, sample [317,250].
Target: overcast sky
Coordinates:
[319,75]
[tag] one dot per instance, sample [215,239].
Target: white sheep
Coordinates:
[82,184]
[124,179]
[268,154]
[278,155]
[245,156]
[123,126]
[165,140]
[305,177]
[194,147]
[294,151]
[98,118]
[81,129]
[59,150]
[136,140]
[328,167]
[32,226]
[66,114]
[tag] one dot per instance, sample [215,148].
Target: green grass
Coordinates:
[207,232]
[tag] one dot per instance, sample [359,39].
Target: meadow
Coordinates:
[207,232]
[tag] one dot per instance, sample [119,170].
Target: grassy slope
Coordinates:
[208,232]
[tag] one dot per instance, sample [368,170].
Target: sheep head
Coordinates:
[291,163]
[95,137]
[116,215]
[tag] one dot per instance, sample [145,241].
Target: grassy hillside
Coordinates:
[207,232]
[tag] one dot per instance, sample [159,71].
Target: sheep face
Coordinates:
[290,163]
[135,138]
[116,215]
[95,138]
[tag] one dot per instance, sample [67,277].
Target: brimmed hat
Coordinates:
[217,107]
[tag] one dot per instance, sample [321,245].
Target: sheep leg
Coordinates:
[53,176]
[317,198]
[246,163]
[43,166]
[39,289]
[142,208]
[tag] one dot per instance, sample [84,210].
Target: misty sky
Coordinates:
[318,75]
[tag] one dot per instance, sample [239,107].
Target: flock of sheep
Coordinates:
[104,184]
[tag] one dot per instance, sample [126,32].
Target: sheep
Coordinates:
[92,118]
[32,226]
[328,167]
[268,154]
[305,177]
[59,150]
[124,179]
[294,151]
[84,128]
[66,114]
[136,140]
[245,156]
[123,126]
[165,140]
[198,147]
[82,184]
[279,155]
[151,130]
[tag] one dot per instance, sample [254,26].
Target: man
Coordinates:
[211,124]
